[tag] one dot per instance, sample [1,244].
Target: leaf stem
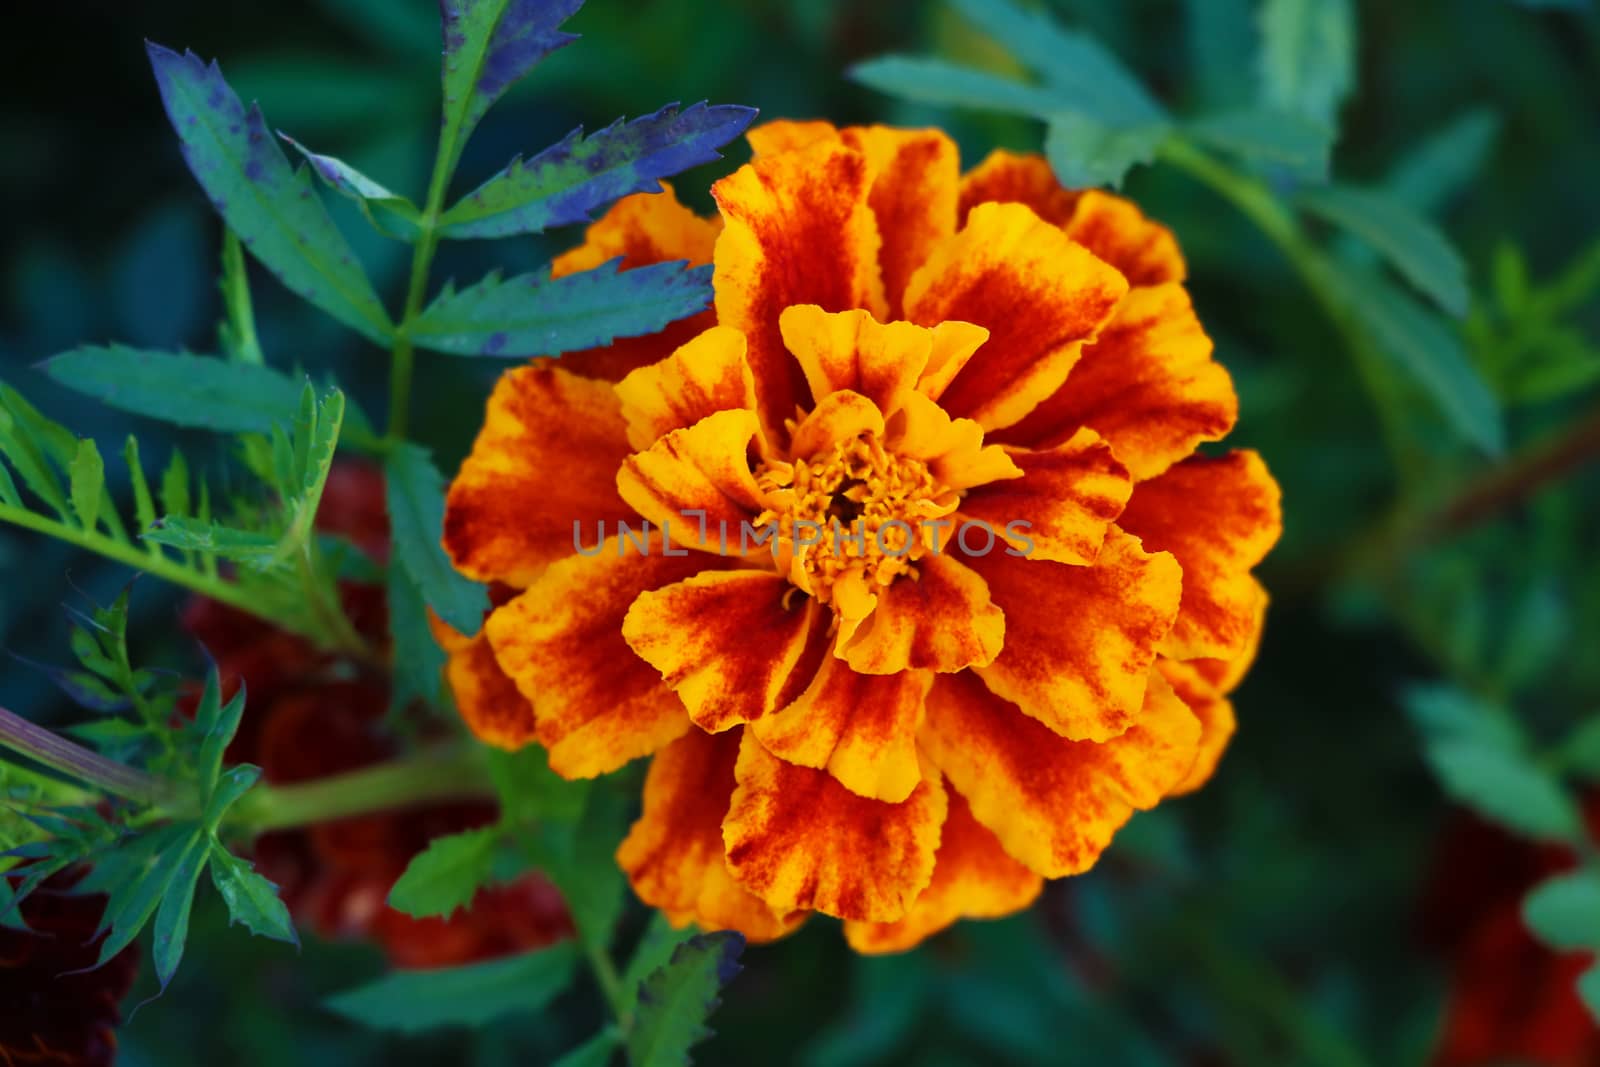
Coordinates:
[1256,201]
[57,753]
[454,773]
[245,345]
[610,983]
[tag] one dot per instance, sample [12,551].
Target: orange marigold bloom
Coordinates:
[904,725]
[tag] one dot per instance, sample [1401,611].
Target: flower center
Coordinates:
[854,518]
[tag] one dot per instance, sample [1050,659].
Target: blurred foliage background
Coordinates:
[1276,917]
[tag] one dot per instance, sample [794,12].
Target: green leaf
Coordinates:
[153,861]
[256,550]
[1589,991]
[473,995]
[272,207]
[489,46]
[231,784]
[677,999]
[8,489]
[144,508]
[935,81]
[251,899]
[580,859]
[1444,712]
[237,330]
[653,952]
[1564,911]
[1308,57]
[447,874]
[1263,135]
[316,448]
[531,792]
[1580,752]
[187,390]
[88,477]
[1505,787]
[215,724]
[1086,152]
[1409,242]
[536,315]
[595,1052]
[1426,350]
[1081,73]
[34,456]
[416,517]
[419,662]
[175,486]
[1220,32]
[1446,163]
[390,213]
[172,920]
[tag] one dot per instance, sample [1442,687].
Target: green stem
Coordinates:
[1257,202]
[428,778]
[236,301]
[610,983]
[57,753]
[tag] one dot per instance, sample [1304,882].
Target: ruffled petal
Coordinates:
[544,465]
[1215,712]
[596,705]
[1061,506]
[1053,803]
[799,840]
[852,351]
[707,375]
[953,448]
[724,641]
[1224,675]
[915,178]
[973,878]
[954,345]
[1040,295]
[837,418]
[1219,516]
[798,231]
[941,620]
[1080,641]
[1148,385]
[489,702]
[1008,178]
[643,229]
[861,728]
[673,855]
[789,135]
[696,483]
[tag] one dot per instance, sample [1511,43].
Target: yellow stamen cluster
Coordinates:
[850,520]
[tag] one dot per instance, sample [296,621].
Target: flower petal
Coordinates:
[707,375]
[1008,178]
[953,448]
[673,855]
[954,345]
[1080,641]
[1215,712]
[861,728]
[1067,496]
[643,229]
[1219,516]
[799,840]
[789,135]
[696,480]
[838,417]
[489,702]
[1053,803]
[852,351]
[798,231]
[1224,675]
[941,620]
[1040,295]
[724,641]
[973,878]
[915,178]
[596,705]
[545,461]
[1148,385]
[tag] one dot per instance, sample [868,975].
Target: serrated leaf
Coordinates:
[1505,787]
[1410,243]
[1308,56]
[316,448]
[144,507]
[186,390]
[531,792]
[473,995]
[1081,73]
[152,861]
[1425,349]
[33,456]
[390,213]
[447,874]
[1260,134]
[419,662]
[936,81]
[489,45]
[177,901]
[1445,163]
[536,315]
[175,485]
[415,490]
[1564,911]
[595,1052]
[654,951]
[272,207]
[256,550]
[251,899]
[1085,152]
[676,1001]
[88,482]
[230,786]
[580,859]
[569,181]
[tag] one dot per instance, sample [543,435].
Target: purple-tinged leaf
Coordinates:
[271,206]
[81,687]
[488,46]
[390,213]
[535,315]
[568,181]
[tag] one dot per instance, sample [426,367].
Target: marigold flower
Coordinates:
[904,725]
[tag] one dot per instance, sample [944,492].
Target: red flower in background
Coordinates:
[53,1009]
[310,715]
[1512,999]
